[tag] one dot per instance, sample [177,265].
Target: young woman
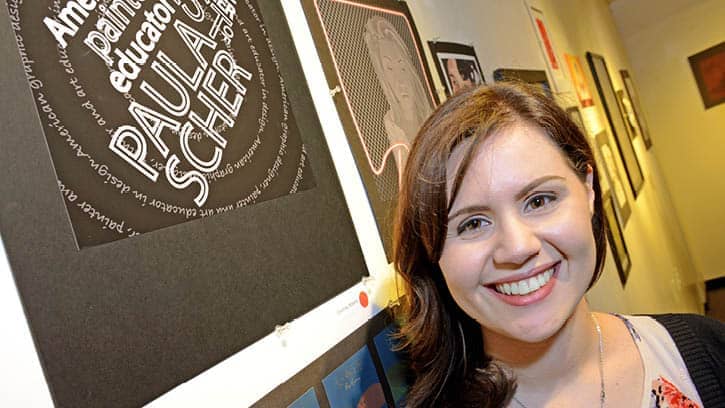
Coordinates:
[499,234]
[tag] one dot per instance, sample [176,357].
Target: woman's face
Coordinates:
[519,252]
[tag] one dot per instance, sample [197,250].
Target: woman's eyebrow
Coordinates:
[521,194]
[535,183]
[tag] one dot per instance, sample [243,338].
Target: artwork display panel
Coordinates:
[637,107]
[708,67]
[457,65]
[608,168]
[580,81]
[117,322]
[362,370]
[548,50]
[531,76]
[616,121]
[371,52]
[616,240]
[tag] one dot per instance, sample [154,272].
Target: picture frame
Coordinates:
[629,118]
[637,106]
[617,123]
[608,172]
[579,80]
[380,109]
[457,65]
[531,76]
[544,38]
[708,68]
[617,244]
[122,322]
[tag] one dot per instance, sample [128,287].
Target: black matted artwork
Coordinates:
[616,240]
[192,96]
[608,168]
[363,370]
[616,119]
[371,53]
[457,65]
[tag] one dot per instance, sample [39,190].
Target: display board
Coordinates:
[166,195]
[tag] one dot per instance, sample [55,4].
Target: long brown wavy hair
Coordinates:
[445,345]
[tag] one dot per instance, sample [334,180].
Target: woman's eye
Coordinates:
[539,201]
[472,226]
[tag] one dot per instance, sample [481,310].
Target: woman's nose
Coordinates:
[517,242]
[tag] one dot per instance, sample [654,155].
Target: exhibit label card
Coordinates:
[157,112]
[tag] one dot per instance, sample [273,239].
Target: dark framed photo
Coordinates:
[637,107]
[370,50]
[616,121]
[610,176]
[708,67]
[156,214]
[616,240]
[531,76]
[457,65]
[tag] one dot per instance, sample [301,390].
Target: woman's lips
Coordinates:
[545,280]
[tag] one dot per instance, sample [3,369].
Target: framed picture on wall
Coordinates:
[616,121]
[370,49]
[457,65]
[155,216]
[626,107]
[636,106]
[531,76]
[579,80]
[548,50]
[609,173]
[616,240]
[708,67]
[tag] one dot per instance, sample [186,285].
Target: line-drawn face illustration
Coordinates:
[403,88]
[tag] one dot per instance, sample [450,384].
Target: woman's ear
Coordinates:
[589,182]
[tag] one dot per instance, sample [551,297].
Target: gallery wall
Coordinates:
[689,138]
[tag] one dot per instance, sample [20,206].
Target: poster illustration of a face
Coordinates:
[371,51]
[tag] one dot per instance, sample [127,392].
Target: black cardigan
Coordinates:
[701,342]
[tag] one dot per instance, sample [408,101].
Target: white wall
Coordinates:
[689,141]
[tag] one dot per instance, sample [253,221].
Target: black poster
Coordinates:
[158,112]
[166,195]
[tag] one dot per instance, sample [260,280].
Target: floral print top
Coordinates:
[667,384]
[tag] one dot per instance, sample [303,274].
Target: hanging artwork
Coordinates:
[637,107]
[610,175]
[164,183]
[531,76]
[371,53]
[548,50]
[626,107]
[364,370]
[616,121]
[580,81]
[708,67]
[457,65]
[616,240]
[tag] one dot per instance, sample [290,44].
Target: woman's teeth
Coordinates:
[525,286]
